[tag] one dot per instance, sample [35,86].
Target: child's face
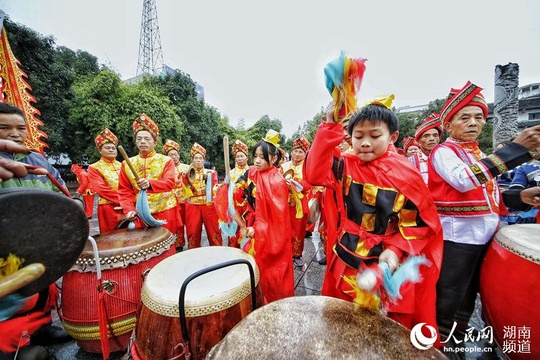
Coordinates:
[258,160]
[371,139]
[413,149]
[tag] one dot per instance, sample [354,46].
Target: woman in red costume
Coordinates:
[267,218]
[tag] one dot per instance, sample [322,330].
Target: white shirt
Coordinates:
[476,230]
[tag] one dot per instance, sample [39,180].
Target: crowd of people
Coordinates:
[380,205]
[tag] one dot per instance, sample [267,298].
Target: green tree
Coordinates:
[51,72]
[258,131]
[104,101]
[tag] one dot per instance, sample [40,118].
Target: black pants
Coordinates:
[458,285]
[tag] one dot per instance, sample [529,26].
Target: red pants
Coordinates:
[89,205]
[180,238]
[108,218]
[196,215]
[298,227]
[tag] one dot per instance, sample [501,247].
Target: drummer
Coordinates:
[172,149]
[13,127]
[200,205]
[460,174]
[103,175]
[156,175]
[241,155]
[385,212]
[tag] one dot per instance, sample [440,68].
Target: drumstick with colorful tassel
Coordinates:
[374,276]
[343,77]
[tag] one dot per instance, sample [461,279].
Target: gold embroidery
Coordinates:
[407,218]
[477,171]
[399,202]
[368,221]
[369,195]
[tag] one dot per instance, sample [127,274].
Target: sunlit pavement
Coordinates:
[308,281]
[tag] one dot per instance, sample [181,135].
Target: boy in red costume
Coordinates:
[385,210]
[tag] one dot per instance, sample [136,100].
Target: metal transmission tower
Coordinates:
[150,55]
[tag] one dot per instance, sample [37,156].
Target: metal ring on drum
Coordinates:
[318,327]
[215,301]
[509,289]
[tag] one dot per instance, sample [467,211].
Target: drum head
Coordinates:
[522,240]
[318,327]
[207,294]
[41,226]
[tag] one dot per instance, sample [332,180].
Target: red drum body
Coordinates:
[510,289]
[214,303]
[318,327]
[125,256]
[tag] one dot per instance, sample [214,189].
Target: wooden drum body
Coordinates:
[510,287]
[125,256]
[214,302]
[318,327]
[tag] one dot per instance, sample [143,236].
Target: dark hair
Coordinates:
[10,109]
[267,150]
[374,113]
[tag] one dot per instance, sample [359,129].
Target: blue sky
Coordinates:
[258,58]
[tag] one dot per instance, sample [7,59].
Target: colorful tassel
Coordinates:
[408,272]
[343,78]
[10,265]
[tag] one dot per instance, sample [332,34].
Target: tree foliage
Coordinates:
[51,72]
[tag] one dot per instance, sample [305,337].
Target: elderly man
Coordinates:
[427,136]
[200,205]
[172,149]
[155,174]
[14,163]
[103,175]
[463,186]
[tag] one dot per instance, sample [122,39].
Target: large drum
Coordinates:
[213,303]
[510,289]
[125,257]
[318,327]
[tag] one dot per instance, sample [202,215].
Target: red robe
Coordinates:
[383,202]
[268,213]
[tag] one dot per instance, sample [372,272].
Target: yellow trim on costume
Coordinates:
[362,297]
[368,221]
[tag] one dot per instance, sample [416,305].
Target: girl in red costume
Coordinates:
[268,225]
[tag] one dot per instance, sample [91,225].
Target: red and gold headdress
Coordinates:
[239,146]
[301,143]
[170,145]
[408,142]
[14,90]
[197,149]
[469,95]
[105,136]
[431,122]
[144,122]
